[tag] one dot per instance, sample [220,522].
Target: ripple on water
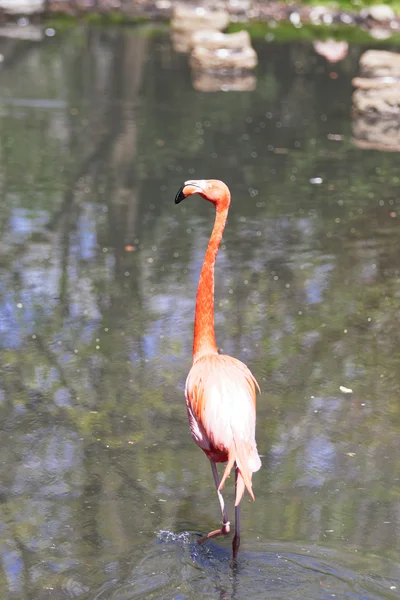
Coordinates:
[177,568]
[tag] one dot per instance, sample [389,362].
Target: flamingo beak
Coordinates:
[195,186]
[180,195]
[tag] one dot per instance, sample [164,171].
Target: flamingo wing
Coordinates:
[221,403]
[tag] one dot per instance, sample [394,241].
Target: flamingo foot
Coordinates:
[225,529]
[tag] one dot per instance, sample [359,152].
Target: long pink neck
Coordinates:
[204,333]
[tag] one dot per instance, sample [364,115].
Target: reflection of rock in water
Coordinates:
[223,59]
[334,51]
[377,96]
[376,133]
[214,40]
[376,101]
[213,82]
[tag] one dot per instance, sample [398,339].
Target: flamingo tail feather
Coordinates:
[238,454]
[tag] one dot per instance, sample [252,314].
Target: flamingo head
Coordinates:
[213,190]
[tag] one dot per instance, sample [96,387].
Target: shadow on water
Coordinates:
[177,568]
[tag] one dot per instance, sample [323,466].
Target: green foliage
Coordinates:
[286,32]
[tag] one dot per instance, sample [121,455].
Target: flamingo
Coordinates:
[220,390]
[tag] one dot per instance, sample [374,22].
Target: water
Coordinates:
[103,493]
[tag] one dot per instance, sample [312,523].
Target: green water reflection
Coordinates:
[100,481]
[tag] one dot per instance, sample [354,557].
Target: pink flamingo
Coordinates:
[220,390]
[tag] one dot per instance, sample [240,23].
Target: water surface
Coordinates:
[103,494]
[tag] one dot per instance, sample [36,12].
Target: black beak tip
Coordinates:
[180,195]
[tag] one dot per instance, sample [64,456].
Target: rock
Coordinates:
[22,7]
[191,18]
[379,12]
[345,390]
[213,40]
[238,6]
[378,91]
[223,59]
[214,51]
[295,18]
[317,14]
[202,27]
[379,63]
[327,19]
[346,18]
[185,41]
[163,4]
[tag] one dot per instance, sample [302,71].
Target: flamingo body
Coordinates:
[220,390]
[221,405]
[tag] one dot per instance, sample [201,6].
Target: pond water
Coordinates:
[103,493]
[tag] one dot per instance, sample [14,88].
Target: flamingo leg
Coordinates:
[236,537]
[225,529]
